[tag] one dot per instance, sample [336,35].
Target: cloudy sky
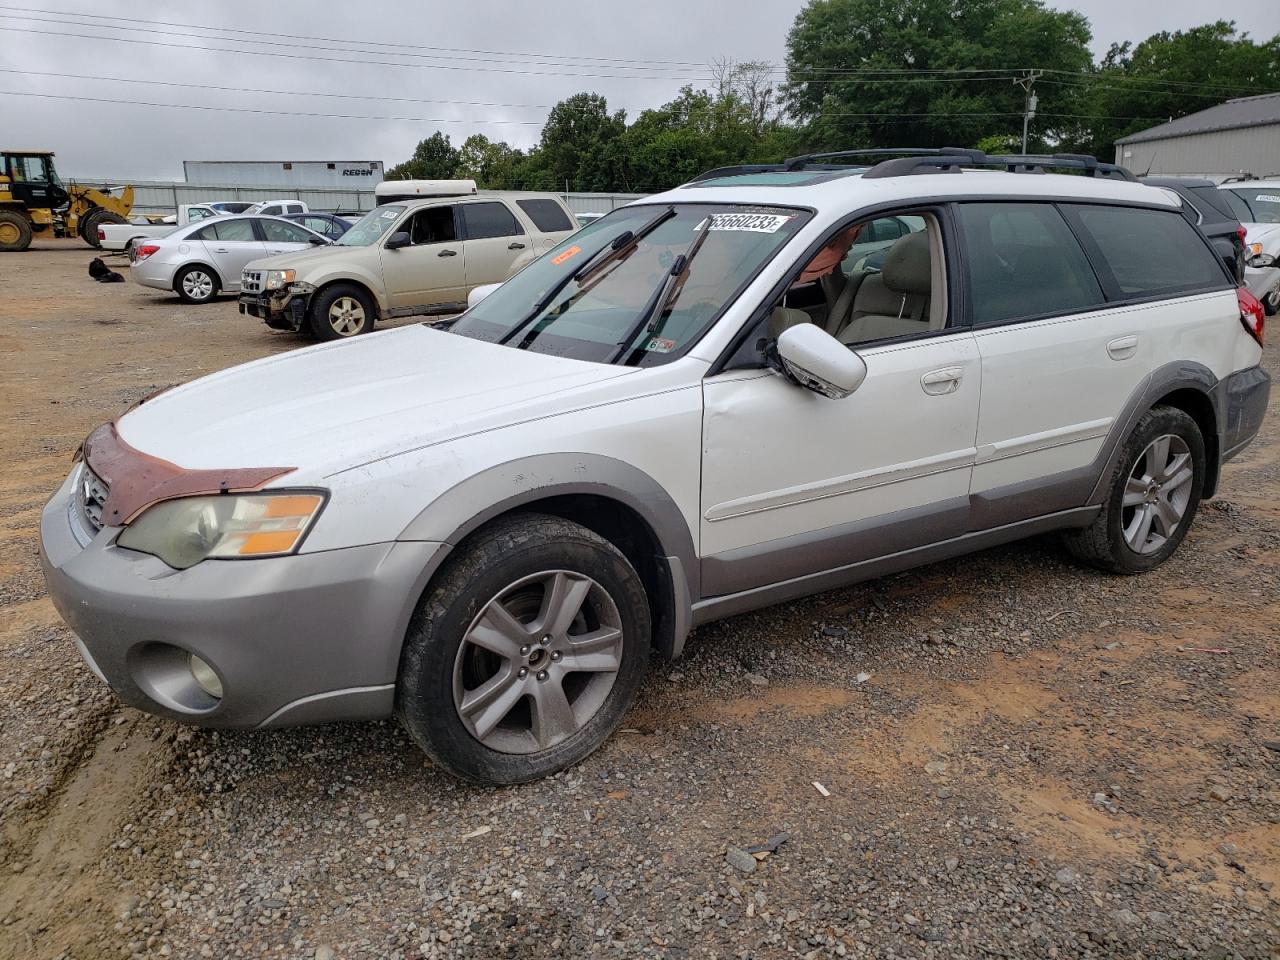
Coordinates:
[487,66]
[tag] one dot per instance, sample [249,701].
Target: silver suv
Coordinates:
[407,258]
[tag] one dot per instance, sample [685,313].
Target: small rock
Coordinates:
[1228,849]
[1272,745]
[756,680]
[740,860]
[1219,793]
[910,919]
[951,863]
[1124,915]
[944,793]
[325,953]
[837,632]
[1066,875]
[1158,919]
[932,935]
[935,767]
[599,894]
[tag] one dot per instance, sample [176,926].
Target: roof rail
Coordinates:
[903,161]
[807,159]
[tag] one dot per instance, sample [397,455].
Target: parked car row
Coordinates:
[773,381]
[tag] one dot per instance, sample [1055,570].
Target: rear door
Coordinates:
[494,238]
[432,269]
[1064,345]
[231,243]
[551,220]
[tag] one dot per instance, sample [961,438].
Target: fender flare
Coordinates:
[507,486]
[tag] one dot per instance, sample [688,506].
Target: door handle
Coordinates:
[938,383]
[1122,348]
[221,250]
[515,246]
[447,253]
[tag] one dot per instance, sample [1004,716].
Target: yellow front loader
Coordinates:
[34,200]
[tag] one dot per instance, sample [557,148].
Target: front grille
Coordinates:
[251,281]
[91,498]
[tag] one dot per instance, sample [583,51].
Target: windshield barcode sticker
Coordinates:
[750,222]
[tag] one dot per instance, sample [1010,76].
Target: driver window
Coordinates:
[877,279]
[432,225]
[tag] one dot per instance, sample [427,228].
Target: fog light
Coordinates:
[204,676]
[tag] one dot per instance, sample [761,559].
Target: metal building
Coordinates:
[1239,136]
[341,174]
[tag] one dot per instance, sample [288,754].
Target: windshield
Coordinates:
[369,229]
[1255,204]
[592,314]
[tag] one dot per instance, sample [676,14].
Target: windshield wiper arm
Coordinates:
[653,315]
[617,248]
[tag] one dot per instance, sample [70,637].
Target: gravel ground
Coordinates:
[1000,756]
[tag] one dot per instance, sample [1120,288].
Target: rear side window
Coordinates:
[1211,198]
[1023,261]
[1149,252]
[226,229]
[486,220]
[547,215]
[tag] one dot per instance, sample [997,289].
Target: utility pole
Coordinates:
[1027,82]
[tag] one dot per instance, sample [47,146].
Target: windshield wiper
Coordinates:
[654,315]
[616,249]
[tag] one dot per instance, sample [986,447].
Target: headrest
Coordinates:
[907,265]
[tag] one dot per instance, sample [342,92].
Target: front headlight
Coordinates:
[276,279]
[235,526]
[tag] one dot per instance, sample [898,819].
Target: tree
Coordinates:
[1170,75]
[928,73]
[580,145]
[493,165]
[434,159]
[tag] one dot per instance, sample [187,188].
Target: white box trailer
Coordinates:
[348,174]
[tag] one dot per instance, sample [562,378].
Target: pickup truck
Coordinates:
[412,257]
[120,236]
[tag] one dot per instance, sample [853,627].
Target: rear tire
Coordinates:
[525,653]
[15,232]
[341,312]
[1152,496]
[196,284]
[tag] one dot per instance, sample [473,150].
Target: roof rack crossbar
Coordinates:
[807,159]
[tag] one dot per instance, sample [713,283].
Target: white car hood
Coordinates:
[336,406]
[1264,233]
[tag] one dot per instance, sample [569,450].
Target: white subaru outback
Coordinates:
[697,405]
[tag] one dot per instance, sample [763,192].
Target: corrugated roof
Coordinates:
[1256,111]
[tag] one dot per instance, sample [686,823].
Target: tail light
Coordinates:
[1252,315]
[147,249]
[102,234]
[1242,233]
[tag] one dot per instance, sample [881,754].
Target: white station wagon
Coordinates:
[698,405]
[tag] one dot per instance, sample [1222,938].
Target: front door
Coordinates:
[494,239]
[231,243]
[794,483]
[432,269]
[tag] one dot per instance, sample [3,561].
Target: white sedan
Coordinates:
[1256,203]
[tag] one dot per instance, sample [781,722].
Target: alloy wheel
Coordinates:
[197,285]
[1157,494]
[346,316]
[538,662]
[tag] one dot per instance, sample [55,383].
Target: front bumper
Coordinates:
[280,309]
[309,638]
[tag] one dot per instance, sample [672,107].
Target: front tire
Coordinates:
[15,232]
[196,284]
[1152,497]
[525,654]
[342,311]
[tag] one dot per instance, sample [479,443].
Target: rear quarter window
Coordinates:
[486,220]
[1149,252]
[547,215]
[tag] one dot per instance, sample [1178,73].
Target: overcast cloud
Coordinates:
[664,40]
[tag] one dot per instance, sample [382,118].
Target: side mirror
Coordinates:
[317,241]
[397,240]
[1261,261]
[819,362]
[479,293]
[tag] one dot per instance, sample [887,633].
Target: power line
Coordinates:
[276,55]
[279,113]
[370,43]
[290,93]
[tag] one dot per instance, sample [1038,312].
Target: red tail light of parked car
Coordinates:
[147,249]
[1252,314]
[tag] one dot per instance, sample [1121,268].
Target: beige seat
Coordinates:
[783,318]
[894,302]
